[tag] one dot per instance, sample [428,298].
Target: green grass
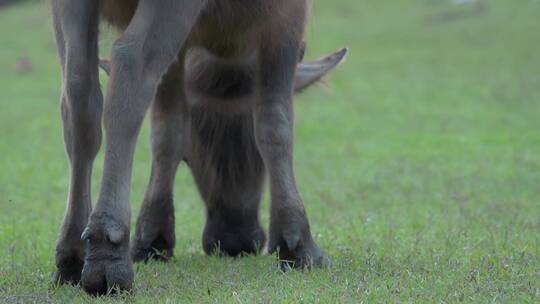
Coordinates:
[419,164]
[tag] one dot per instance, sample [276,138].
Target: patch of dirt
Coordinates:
[463,9]
[23,66]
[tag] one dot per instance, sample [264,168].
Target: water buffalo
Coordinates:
[219,77]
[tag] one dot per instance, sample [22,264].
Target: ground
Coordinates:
[419,162]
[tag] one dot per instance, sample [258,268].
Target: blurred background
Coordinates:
[418,160]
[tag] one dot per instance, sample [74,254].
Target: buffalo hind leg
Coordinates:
[75,25]
[229,173]
[154,234]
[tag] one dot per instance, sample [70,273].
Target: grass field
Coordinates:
[419,162]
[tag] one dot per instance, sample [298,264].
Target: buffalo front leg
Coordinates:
[290,234]
[140,58]
[75,25]
[154,234]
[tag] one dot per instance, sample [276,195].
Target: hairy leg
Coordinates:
[154,235]
[76,29]
[229,173]
[290,233]
[140,58]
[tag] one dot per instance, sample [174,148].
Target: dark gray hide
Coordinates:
[219,77]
